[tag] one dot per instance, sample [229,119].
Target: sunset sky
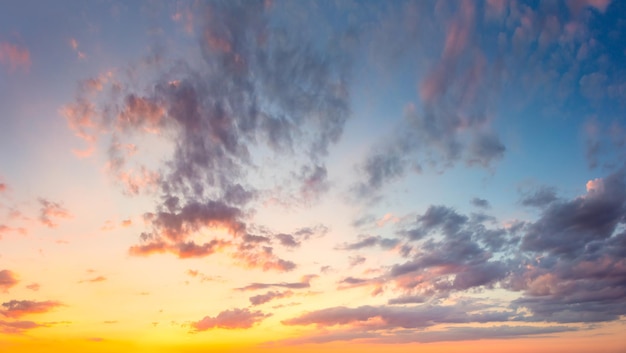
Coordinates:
[313,176]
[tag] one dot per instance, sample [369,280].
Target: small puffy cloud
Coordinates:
[480,203]
[230,319]
[8,279]
[50,212]
[14,56]
[18,308]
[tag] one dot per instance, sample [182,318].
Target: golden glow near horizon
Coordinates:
[279,176]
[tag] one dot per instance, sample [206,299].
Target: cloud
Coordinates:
[50,211]
[214,113]
[395,317]
[17,327]
[18,308]
[366,241]
[305,282]
[75,47]
[269,296]
[94,279]
[573,267]
[8,279]
[183,249]
[14,57]
[356,260]
[480,203]
[539,198]
[230,319]
[565,228]
[34,287]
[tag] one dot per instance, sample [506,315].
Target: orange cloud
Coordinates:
[14,56]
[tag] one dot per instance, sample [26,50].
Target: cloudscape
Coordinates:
[306,176]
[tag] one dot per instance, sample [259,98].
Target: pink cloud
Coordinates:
[14,56]
[8,279]
[74,44]
[230,319]
[18,308]
[50,211]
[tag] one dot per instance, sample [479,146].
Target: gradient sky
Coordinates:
[280,176]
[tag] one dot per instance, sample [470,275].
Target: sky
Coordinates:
[337,176]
